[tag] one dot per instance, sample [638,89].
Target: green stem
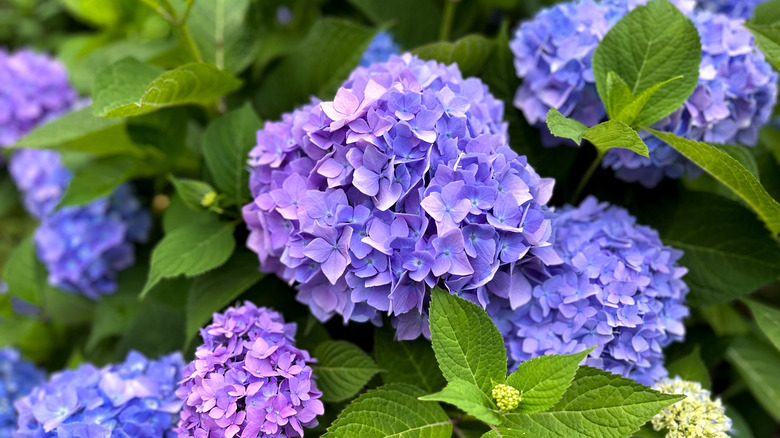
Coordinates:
[585,178]
[155,5]
[189,43]
[447,19]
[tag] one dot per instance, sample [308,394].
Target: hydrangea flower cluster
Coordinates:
[248,379]
[695,416]
[736,93]
[133,399]
[619,289]
[17,378]
[379,49]
[732,8]
[402,182]
[34,88]
[83,247]
[735,97]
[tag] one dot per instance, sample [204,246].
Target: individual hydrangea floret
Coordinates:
[248,379]
[507,398]
[17,378]
[736,93]
[619,289]
[695,416]
[133,399]
[34,88]
[732,8]
[403,182]
[83,247]
[379,49]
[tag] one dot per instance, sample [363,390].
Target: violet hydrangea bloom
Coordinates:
[248,379]
[380,49]
[34,88]
[133,399]
[83,247]
[403,182]
[619,289]
[17,378]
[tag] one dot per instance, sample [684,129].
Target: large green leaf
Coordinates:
[470,53]
[652,44]
[216,289]
[467,344]
[342,369]
[391,411]
[691,367]
[317,66]
[543,380]
[80,131]
[410,362]
[131,88]
[226,145]
[731,173]
[99,177]
[768,320]
[196,194]
[190,250]
[597,404]
[410,19]
[604,136]
[757,364]
[23,274]
[765,26]
[469,398]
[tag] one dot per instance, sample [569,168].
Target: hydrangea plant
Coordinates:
[17,378]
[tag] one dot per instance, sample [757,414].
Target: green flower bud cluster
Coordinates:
[696,416]
[507,398]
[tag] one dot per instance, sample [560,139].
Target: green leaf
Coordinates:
[214,290]
[194,193]
[466,343]
[342,370]
[692,368]
[103,13]
[604,136]
[651,45]
[102,175]
[178,215]
[317,66]
[190,250]
[499,73]
[757,364]
[80,131]
[768,320]
[411,19]
[468,398]
[470,52]
[410,362]
[724,320]
[114,313]
[618,94]
[543,380]
[731,173]
[765,26]
[226,145]
[628,114]
[131,88]
[597,404]
[391,411]
[23,274]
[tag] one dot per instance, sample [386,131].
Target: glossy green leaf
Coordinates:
[196,194]
[691,367]
[409,362]
[342,370]
[470,53]
[768,320]
[469,398]
[757,364]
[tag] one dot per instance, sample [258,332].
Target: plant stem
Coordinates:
[169,14]
[588,173]
[186,38]
[447,19]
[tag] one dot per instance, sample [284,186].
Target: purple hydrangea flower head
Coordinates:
[619,289]
[17,378]
[735,97]
[33,89]
[248,379]
[133,399]
[83,247]
[379,49]
[732,8]
[402,182]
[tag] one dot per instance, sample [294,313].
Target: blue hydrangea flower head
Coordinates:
[379,50]
[248,379]
[695,416]
[735,97]
[732,8]
[618,288]
[33,89]
[402,182]
[17,378]
[83,247]
[132,399]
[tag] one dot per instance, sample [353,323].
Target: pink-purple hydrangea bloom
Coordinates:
[402,182]
[133,399]
[248,379]
[619,289]
[735,96]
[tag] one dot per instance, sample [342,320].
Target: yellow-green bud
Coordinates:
[208,199]
[507,398]
[695,416]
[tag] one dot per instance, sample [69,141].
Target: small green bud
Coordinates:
[507,397]
[208,199]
